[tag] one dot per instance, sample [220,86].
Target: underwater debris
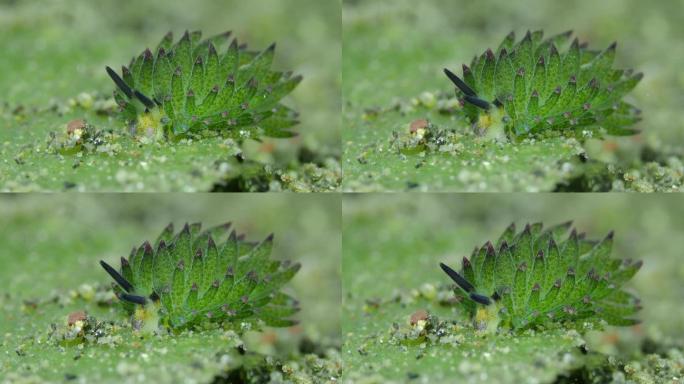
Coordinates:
[79,137]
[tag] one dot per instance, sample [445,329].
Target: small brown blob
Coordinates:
[610,145]
[269,338]
[418,124]
[73,125]
[76,316]
[418,315]
[267,148]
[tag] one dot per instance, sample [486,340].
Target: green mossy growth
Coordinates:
[187,279]
[189,87]
[537,276]
[536,86]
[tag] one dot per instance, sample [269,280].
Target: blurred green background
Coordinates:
[393,243]
[395,50]
[51,244]
[54,50]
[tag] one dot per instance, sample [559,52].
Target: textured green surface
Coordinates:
[538,275]
[547,84]
[395,51]
[198,276]
[51,248]
[194,85]
[392,247]
[56,57]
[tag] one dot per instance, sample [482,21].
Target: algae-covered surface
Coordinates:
[399,324]
[52,73]
[51,279]
[394,53]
